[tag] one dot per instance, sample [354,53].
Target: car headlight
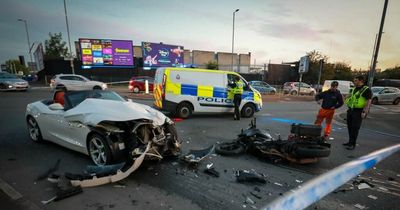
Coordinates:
[104,86]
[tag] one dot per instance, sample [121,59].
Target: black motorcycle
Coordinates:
[304,142]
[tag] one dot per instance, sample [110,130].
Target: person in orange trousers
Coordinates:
[331,99]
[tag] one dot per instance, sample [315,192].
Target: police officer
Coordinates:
[358,103]
[237,90]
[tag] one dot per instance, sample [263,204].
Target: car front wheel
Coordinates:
[99,150]
[34,130]
[374,101]
[136,89]
[397,101]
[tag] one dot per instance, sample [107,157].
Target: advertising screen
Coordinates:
[161,55]
[106,52]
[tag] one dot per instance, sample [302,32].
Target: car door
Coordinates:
[305,88]
[384,95]
[391,95]
[266,87]
[81,83]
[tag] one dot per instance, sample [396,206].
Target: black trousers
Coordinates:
[354,120]
[237,99]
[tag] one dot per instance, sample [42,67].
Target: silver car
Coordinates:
[385,95]
[11,82]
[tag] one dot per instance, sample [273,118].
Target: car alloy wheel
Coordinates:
[136,90]
[97,150]
[33,128]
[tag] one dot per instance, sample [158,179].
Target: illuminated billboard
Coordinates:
[106,53]
[161,55]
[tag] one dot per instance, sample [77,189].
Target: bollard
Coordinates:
[146,86]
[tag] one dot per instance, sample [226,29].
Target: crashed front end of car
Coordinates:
[128,139]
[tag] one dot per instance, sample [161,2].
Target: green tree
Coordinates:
[14,67]
[212,65]
[390,73]
[55,47]
[342,71]
[311,76]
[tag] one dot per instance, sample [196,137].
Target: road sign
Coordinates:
[304,64]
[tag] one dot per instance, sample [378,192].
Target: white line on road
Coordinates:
[10,191]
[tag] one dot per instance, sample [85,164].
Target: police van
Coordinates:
[184,91]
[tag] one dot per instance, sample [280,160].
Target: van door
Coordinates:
[159,87]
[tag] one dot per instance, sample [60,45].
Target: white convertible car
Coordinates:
[103,125]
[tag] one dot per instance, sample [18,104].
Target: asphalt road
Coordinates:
[170,184]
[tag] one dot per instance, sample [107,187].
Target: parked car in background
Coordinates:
[75,82]
[12,82]
[388,83]
[344,86]
[137,84]
[385,95]
[263,87]
[293,87]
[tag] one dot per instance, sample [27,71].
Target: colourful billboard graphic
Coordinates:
[161,55]
[106,52]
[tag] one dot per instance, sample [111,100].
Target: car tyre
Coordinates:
[136,89]
[273,92]
[248,110]
[184,110]
[293,93]
[312,93]
[375,101]
[99,150]
[396,101]
[34,130]
[96,87]
[229,148]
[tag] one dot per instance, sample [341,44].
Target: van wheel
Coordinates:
[375,101]
[397,101]
[248,110]
[184,110]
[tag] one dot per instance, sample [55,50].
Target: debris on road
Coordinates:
[247,176]
[211,172]
[372,197]
[363,186]
[299,181]
[249,201]
[49,171]
[383,189]
[195,156]
[64,190]
[210,165]
[255,195]
[359,206]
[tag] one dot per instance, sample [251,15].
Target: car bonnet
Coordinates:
[93,111]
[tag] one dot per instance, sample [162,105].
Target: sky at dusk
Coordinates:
[273,30]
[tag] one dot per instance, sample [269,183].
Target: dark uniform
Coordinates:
[356,102]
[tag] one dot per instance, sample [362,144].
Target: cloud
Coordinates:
[288,31]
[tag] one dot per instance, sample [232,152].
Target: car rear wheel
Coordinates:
[184,110]
[96,87]
[272,92]
[99,151]
[136,89]
[375,101]
[397,101]
[248,110]
[34,130]
[293,93]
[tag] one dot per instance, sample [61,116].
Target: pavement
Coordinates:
[170,184]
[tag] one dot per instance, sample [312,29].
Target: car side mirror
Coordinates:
[56,106]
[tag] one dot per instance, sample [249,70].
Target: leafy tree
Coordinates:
[55,47]
[390,73]
[311,76]
[342,71]
[212,65]
[10,64]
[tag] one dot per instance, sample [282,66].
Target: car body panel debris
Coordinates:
[211,172]
[359,206]
[195,156]
[372,197]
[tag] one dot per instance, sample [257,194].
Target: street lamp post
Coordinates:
[233,35]
[69,39]
[27,36]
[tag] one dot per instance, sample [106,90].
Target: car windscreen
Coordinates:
[75,98]
[7,76]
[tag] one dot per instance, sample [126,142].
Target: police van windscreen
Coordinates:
[158,79]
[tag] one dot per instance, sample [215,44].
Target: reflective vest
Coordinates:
[356,100]
[239,88]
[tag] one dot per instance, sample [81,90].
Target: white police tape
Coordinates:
[317,188]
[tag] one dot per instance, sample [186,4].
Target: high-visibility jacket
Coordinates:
[356,100]
[238,89]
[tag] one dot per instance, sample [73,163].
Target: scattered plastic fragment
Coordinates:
[211,172]
[363,186]
[247,176]
[49,171]
[279,184]
[210,165]
[359,206]
[195,156]
[299,181]
[255,195]
[383,189]
[372,197]
[119,186]
[249,201]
